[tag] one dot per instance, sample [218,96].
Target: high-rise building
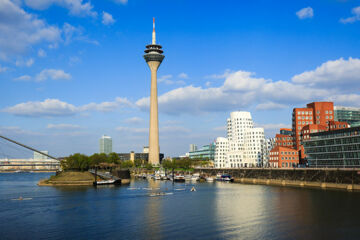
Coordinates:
[245,146]
[153,57]
[105,143]
[350,115]
[39,156]
[193,147]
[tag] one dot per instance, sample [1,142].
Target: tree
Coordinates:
[127,164]
[113,158]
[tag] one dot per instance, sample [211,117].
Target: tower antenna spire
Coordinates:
[153,33]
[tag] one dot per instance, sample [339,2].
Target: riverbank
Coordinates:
[69,179]
[302,184]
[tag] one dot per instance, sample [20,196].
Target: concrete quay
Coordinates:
[327,178]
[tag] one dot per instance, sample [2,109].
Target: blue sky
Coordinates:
[72,70]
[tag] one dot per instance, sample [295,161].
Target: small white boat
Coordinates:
[209,179]
[193,189]
[187,177]
[107,182]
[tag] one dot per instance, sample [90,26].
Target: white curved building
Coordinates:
[245,146]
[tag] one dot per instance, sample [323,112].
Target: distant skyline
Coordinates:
[72,71]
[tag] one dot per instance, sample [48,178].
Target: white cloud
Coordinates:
[20,30]
[28,63]
[270,106]
[3,69]
[75,7]
[23,78]
[356,16]
[54,74]
[167,79]
[73,60]
[49,108]
[107,106]
[337,72]
[219,76]
[63,126]
[242,89]
[107,18]
[41,53]
[133,120]
[307,12]
[72,33]
[57,108]
[183,76]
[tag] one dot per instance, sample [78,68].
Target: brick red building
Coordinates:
[314,113]
[283,157]
[285,138]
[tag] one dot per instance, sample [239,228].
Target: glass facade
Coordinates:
[206,152]
[338,148]
[105,143]
[348,114]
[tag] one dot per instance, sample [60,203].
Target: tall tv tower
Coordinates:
[153,56]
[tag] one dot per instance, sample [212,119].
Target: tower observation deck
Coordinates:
[153,57]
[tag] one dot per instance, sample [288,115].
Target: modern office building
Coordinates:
[285,138]
[39,156]
[245,146]
[105,143]
[334,149]
[350,115]
[206,152]
[193,148]
[153,57]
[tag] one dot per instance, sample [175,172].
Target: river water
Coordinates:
[214,211]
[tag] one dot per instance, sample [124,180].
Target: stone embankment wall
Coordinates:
[302,177]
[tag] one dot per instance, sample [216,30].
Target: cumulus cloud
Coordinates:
[106,106]
[28,63]
[49,108]
[340,71]
[76,7]
[57,108]
[307,12]
[242,89]
[356,16]
[20,30]
[23,78]
[63,126]
[107,18]
[54,74]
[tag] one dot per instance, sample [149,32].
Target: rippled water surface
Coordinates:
[214,211]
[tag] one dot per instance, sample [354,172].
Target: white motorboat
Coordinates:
[209,179]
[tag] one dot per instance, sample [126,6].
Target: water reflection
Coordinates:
[214,211]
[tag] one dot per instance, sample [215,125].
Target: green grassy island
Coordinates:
[73,178]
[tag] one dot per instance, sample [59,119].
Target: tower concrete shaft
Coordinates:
[153,56]
[154,149]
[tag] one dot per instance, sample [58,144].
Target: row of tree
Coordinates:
[81,162]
